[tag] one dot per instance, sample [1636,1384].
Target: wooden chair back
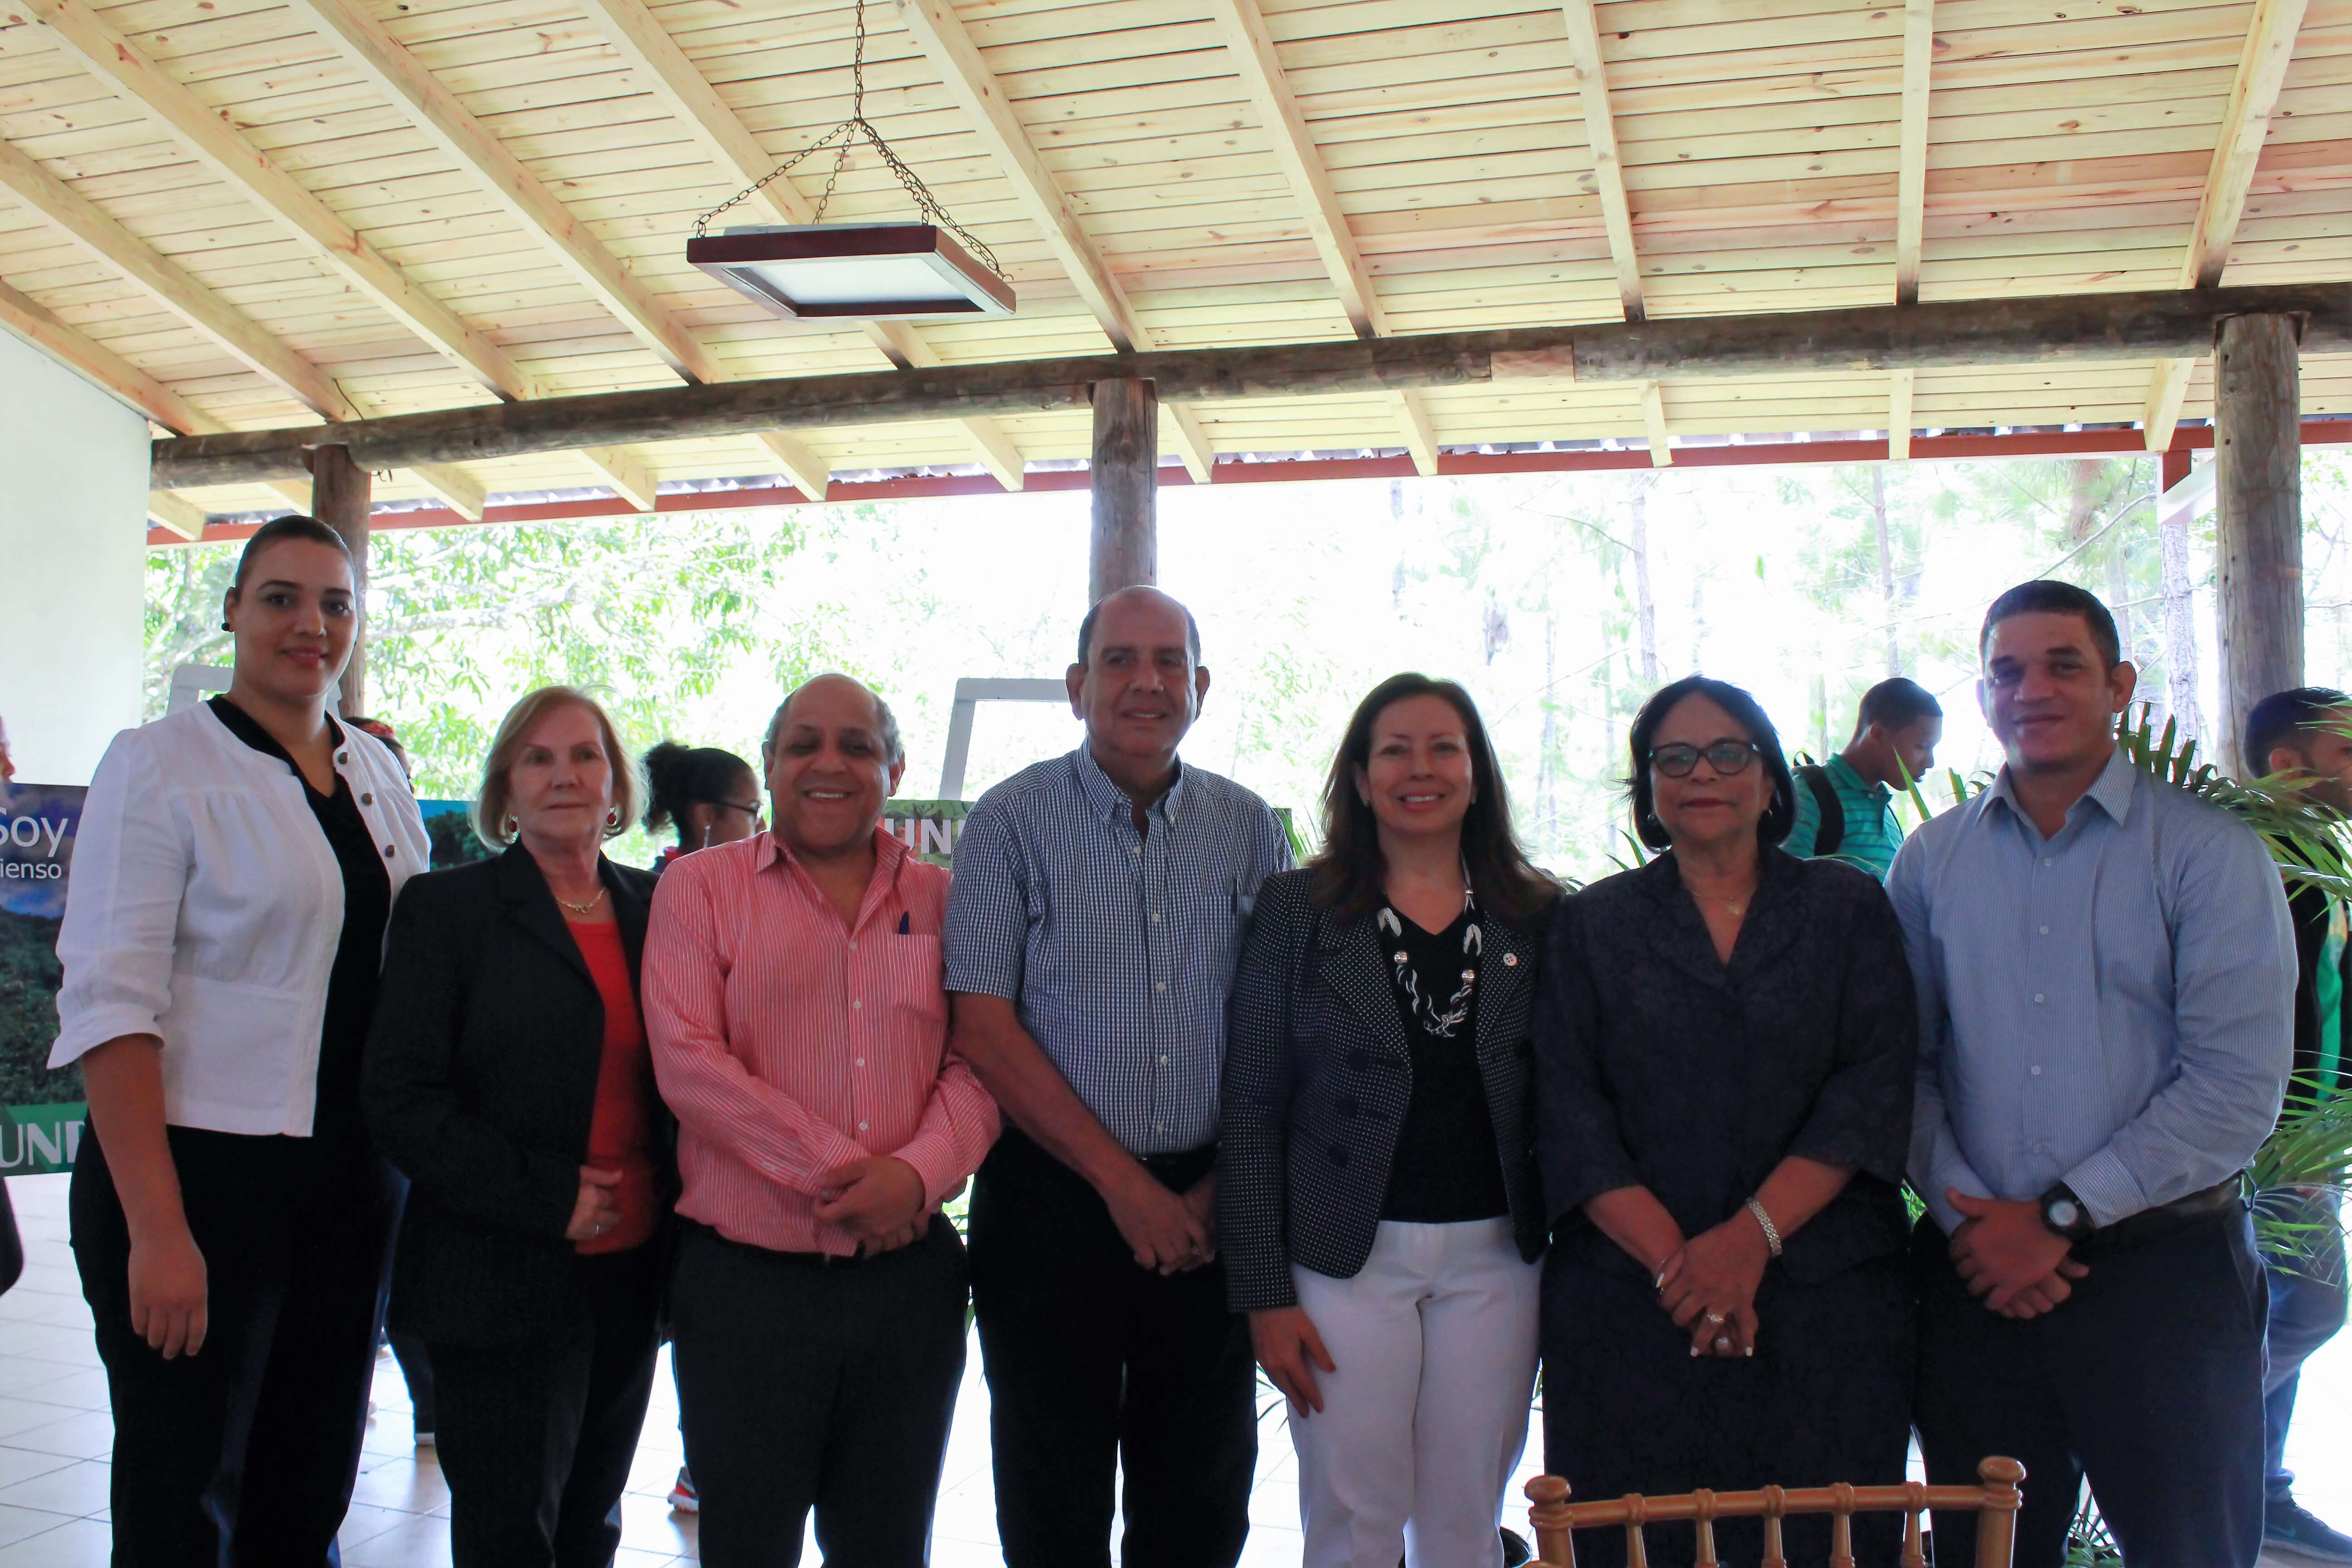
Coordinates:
[1996,1500]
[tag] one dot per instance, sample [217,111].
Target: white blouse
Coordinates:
[205,907]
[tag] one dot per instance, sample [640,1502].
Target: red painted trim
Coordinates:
[1748,454]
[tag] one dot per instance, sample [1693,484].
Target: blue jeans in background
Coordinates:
[2307,1307]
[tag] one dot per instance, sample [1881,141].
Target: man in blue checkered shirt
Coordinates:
[1092,928]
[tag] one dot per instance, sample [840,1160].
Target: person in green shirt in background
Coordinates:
[2306,733]
[1845,808]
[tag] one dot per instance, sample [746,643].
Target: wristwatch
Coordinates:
[2064,1213]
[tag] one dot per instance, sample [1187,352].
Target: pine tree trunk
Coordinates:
[1637,503]
[2179,630]
[1886,567]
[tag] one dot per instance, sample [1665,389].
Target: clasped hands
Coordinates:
[2007,1258]
[1169,1232]
[880,1200]
[1708,1286]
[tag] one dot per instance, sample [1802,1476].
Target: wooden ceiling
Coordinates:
[246,214]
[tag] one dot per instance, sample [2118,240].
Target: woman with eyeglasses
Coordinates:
[705,794]
[1725,1046]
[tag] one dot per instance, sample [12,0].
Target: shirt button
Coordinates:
[2045,930]
[2037,996]
[1163,1061]
[1135,848]
[1160,985]
[367,800]
[1155,917]
[861,1127]
[856,1005]
[861,1062]
[342,757]
[2037,1072]
[2049,862]
[853,946]
[389,849]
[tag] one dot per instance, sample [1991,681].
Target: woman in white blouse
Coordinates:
[235,865]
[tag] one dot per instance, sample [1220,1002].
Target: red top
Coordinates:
[620,1130]
[792,1043]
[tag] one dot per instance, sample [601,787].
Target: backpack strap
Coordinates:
[1831,832]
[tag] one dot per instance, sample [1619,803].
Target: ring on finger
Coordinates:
[1714,1320]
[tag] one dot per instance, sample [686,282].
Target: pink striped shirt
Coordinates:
[790,1045]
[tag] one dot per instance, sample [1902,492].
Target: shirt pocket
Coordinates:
[237,1051]
[914,984]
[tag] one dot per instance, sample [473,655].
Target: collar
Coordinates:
[247,728]
[2111,792]
[1109,803]
[1845,773]
[889,853]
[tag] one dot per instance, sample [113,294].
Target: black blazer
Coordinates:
[1317,1076]
[1660,1066]
[479,1082]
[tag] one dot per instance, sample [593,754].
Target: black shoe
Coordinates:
[2289,1527]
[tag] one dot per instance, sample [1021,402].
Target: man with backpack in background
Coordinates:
[1845,807]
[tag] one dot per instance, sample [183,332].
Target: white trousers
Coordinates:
[1424,1422]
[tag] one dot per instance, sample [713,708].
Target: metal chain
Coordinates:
[842,138]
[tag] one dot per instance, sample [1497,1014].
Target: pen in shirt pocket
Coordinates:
[902,921]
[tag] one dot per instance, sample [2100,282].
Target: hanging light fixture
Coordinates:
[855,271]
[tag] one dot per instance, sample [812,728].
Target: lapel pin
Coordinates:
[1510,960]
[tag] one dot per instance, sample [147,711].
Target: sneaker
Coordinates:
[2289,1527]
[683,1498]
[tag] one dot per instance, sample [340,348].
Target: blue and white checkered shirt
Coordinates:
[1117,947]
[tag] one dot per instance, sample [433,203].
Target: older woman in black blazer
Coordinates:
[1377,1197]
[1725,1047]
[507,1076]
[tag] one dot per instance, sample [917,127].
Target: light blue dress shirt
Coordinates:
[2112,1007]
[1117,947]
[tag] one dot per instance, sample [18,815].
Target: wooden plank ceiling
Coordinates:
[245,214]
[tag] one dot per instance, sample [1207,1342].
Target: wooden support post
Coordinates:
[2258,534]
[1126,483]
[339,498]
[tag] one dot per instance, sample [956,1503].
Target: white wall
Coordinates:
[73,546]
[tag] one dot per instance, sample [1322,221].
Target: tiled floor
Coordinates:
[56,1436]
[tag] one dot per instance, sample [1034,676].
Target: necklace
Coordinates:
[1439,1019]
[583,911]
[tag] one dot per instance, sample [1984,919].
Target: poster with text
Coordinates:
[41,1112]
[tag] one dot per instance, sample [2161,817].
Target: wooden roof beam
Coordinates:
[175,513]
[404,81]
[95,362]
[2124,327]
[1911,161]
[1601,130]
[1653,426]
[2246,126]
[1903,386]
[1243,27]
[944,42]
[108,55]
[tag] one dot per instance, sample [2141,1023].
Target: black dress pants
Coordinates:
[296,1245]
[1094,1364]
[2149,1378]
[536,1438]
[813,1384]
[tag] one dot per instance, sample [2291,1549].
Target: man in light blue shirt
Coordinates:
[2106,974]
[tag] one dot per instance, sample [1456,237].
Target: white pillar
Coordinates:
[73,551]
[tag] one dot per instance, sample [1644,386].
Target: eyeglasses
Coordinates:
[1723,756]
[751,811]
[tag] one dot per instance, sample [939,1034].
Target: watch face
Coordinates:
[2064,1213]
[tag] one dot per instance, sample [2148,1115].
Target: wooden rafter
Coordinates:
[1250,46]
[1902,386]
[109,56]
[678,85]
[1970,335]
[1653,424]
[92,360]
[2245,125]
[1911,161]
[944,42]
[164,282]
[1601,130]
[176,514]
[369,48]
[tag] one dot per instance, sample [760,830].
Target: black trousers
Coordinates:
[2150,1379]
[296,1249]
[1094,1363]
[813,1385]
[536,1438]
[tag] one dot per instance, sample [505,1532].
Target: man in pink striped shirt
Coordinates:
[799,1028]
